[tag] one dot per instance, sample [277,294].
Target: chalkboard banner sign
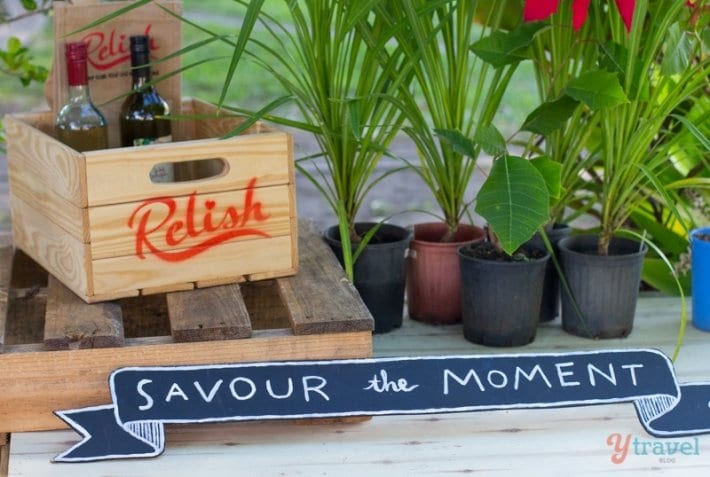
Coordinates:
[147,398]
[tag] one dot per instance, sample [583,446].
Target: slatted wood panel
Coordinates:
[58,351]
[74,212]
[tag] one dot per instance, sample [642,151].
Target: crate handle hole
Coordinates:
[188,171]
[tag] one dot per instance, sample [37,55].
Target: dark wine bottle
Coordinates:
[140,119]
[79,124]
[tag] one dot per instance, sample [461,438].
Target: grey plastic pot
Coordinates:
[550,305]
[500,301]
[379,271]
[605,288]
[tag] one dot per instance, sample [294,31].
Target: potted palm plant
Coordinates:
[335,64]
[453,89]
[635,97]
[502,280]
[561,127]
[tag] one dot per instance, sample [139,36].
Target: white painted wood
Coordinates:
[550,442]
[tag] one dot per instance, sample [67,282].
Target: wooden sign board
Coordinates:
[145,399]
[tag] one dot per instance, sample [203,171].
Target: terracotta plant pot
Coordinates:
[501,298]
[605,288]
[379,271]
[433,273]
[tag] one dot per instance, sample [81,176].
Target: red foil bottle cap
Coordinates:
[76,54]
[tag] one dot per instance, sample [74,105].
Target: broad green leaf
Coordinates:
[613,58]
[491,140]
[458,141]
[663,236]
[597,89]
[514,201]
[551,171]
[677,51]
[550,116]
[656,273]
[502,48]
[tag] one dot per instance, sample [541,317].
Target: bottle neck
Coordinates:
[77,74]
[141,69]
[79,93]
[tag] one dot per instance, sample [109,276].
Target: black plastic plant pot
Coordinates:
[550,305]
[379,271]
[501,299]
[605,288]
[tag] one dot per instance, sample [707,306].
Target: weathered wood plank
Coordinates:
[71,323]
[33,386]
[319,298]
[216,313]
[6,253]
[4,454]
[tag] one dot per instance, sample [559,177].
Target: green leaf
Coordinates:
[491,140]
[614,57]
[14,45]
[677,51]
[514,201]
[110,16]
[551,171]
[30,5]
[502,48]
[258,116]
[597,89]
[250,18]
[665,237]
[697,133]
[458,142]
[656,273]
[550,116]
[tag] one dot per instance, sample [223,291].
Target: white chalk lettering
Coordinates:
[176,390]
[632,370]
[536,370]
[148,400]
[383,384]
[248,382]
[208,397]
[503,382]
[611,377]
[307,388]
[563,374]
[271,392]
[463,382]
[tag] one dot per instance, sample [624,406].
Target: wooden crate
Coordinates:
[98,223]
[56,352]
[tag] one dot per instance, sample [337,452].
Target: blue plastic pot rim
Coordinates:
[700,230]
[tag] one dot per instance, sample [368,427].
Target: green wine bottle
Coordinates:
[140,119]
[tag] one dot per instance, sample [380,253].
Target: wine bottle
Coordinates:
[79,124]
[140,119]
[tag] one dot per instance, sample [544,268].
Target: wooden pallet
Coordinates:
[56,352]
